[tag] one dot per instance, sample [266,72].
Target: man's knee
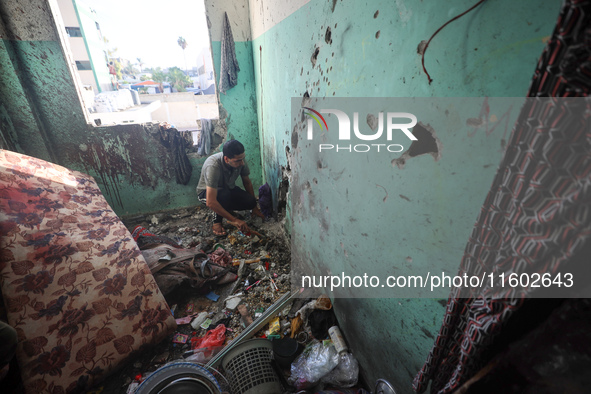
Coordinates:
[224,197]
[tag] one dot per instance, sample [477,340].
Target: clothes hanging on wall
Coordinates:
[229,64]
[536,216]
[205,137]
[174,141]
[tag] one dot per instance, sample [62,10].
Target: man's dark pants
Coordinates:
[235,199]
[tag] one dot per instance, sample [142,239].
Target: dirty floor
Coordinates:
[191,227]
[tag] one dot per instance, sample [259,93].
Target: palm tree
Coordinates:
[183,44]
[159,76]
[178,79]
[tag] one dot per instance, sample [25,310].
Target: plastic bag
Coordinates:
[345,374]
[212,338]
[204,354]
[317,359]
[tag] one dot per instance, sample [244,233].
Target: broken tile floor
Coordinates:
[191,227]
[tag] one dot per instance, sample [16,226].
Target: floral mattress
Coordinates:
[76,287]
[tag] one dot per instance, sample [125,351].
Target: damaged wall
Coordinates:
[239,102]
[386,211]
[136,166]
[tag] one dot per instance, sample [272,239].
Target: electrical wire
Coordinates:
[438,30]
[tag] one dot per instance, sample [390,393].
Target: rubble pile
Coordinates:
[212,315]
[191,227]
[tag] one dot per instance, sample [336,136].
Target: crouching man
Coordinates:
[217,187]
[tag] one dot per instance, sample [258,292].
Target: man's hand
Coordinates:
[257,211]
[241,225]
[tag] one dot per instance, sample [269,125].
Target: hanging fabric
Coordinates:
[536,216]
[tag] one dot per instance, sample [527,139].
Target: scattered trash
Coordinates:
[232,302]
[193,231]
[285,351]
[302,337]
[180,338]
[320,321]
[132,387]
[199,320]
[220,257]
[212,296]
[253,285]
[258,312]
[245,318]
[323,302]
[273,284]
[317,360]
[345,374]
[202,355]
[274,326]
[185,320]
[237,262]
[205,325]
[212,338]
[337,339]
[296,325]
[189,309]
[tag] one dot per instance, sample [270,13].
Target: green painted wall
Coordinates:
[18,123]
[339,215]
[41,116]
[240,104]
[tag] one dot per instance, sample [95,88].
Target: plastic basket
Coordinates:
[249,368]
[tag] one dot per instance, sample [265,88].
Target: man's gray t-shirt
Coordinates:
[217,174]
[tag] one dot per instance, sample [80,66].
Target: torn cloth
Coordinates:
[205,140]
[173,267]
[229,64]
[535,218]
[174,141]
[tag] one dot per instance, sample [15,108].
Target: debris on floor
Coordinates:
[224,291]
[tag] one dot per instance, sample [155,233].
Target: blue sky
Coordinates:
[149,29]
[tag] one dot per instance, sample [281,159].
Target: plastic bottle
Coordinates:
[337,339]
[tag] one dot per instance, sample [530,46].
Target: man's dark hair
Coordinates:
[233,148]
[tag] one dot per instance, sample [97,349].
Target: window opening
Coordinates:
[150,65]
